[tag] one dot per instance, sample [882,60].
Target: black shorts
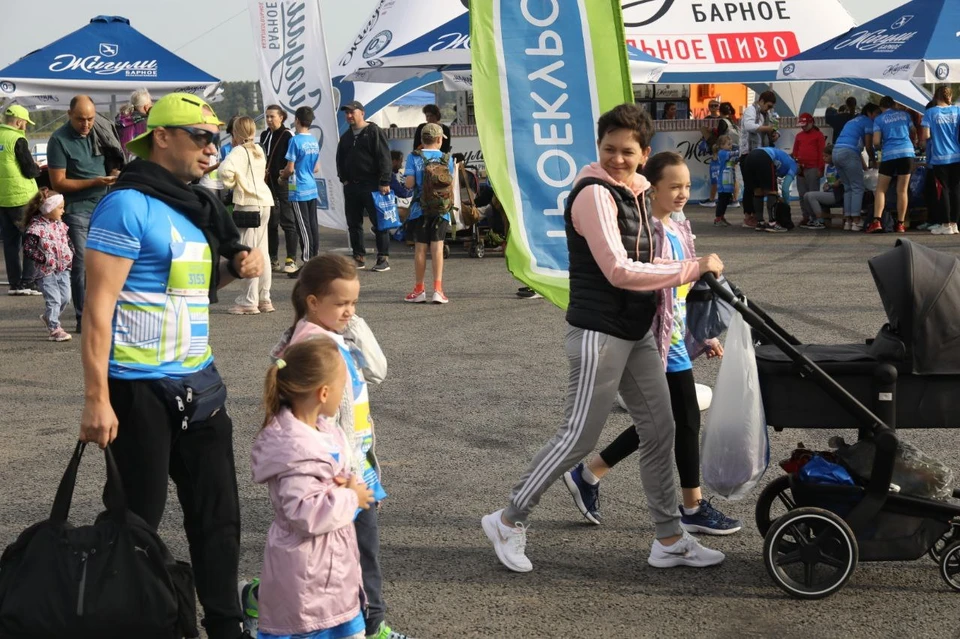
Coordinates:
[893,168]
[429,229]
[759,171]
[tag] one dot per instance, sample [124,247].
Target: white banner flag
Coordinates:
[294,73]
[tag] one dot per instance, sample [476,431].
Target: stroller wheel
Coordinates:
[936,552]
[810,553]
[950,565]
[774,501]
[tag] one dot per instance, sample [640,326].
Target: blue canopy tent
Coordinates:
[434,51]
[915,42]
[107,59]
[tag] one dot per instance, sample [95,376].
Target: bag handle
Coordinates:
[114,497]
[256,191]
[273,152]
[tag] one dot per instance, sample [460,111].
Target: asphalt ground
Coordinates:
[474,389]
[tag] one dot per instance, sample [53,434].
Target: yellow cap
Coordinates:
[174,109]
[18,111]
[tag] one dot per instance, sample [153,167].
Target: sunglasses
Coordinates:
[200,137]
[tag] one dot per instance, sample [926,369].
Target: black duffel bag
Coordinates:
[114,579]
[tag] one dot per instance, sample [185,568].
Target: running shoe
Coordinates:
[709,520]
[848,224]
[527,293]
[249,593]
[775,228]
[360,261]
[382,265]
[875,227]
[266,307]
[856,227]
[734,205]
[419,295]
[31,290]
[749,222]
[60,335]
[237,309]
[386,632]
[720,221]
[509,543]
[439,298]
[290,266]
[708,202]
[939,229]
[585,496]
[685,552]
[899,228]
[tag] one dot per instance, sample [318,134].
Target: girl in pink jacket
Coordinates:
[311,585]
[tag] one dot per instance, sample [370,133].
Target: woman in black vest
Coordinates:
[614,291]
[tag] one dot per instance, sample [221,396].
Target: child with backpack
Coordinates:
[324,301]
[430,173]
[47,243]
[310,585]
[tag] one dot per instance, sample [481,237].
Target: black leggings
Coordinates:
[686,415]
[948,175]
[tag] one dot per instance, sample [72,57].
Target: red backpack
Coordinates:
[436,193]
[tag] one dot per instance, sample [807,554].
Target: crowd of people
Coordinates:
[884,139]
[144,259]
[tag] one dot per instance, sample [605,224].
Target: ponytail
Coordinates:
[271,395]
[304,368]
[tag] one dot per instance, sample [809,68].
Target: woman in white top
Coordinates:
[243,171]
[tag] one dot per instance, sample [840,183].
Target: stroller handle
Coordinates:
[885,438]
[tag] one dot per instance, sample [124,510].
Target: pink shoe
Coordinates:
[243,310]
[439,297]
[266,307]
[60,335]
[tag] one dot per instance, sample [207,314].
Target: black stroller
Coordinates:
[815,534]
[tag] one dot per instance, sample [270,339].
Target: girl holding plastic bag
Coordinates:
[615,283]
[669,191]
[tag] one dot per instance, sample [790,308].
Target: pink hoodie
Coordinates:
[311,565]
[594,216]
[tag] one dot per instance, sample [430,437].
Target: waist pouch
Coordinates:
[193,399]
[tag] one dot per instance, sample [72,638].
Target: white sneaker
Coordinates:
[686,552]
[509,543]
[847,224]
[953,229]
[940,229]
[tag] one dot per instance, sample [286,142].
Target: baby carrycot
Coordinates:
[812,548]
[920,291]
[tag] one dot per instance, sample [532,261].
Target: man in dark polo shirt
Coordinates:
[80,175]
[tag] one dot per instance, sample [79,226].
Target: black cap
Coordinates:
[350,106]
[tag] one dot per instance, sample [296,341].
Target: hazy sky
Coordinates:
[216,36]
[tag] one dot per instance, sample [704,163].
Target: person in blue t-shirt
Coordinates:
[152,267]
[428,231]
[855,134]
[303,163]
[940,127]
[891,132]
[761,168]
[725,159]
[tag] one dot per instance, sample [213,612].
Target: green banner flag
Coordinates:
[543,73]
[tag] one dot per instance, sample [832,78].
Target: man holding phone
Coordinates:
[79,173]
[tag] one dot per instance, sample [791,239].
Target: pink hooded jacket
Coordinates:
[663,321]
[311,565]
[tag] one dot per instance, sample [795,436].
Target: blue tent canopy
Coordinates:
[106,59]
[916,41]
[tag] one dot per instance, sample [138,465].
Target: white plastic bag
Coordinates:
[870,178]
[374,362]
[735,450]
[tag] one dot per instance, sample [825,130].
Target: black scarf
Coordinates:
[199,205]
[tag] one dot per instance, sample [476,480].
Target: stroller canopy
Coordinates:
[920,291]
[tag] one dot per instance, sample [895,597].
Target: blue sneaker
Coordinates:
[709,520]
[585,496]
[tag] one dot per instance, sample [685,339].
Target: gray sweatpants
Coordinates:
[599,366]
